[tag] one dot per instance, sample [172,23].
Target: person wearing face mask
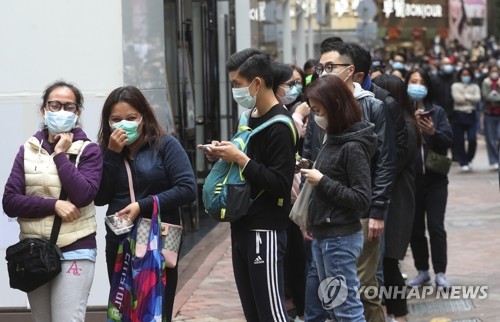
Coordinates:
[258,239]
[60,156]
[337,58]
[431,188]
[284,81]
[442,83]
[342,191]
[466,94]
[159,166]
[490,90]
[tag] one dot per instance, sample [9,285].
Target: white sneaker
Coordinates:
[465,168]
[422,278]
[494,167]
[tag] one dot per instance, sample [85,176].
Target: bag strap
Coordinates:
[245,116]
[56,226]
[130,182]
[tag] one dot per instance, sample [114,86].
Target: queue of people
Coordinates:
[375,193]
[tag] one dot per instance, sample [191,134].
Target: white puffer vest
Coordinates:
[42,180]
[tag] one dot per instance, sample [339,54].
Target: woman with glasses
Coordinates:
[60,157]
[284,83]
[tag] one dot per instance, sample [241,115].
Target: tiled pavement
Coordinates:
[473,226]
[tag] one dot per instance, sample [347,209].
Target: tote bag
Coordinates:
[121,299]
[138,284]
[300,210]
[149,275]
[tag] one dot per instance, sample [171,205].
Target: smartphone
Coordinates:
[207,147]
[426,114]
[303,164]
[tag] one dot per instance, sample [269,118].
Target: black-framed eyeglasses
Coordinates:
[329,67]
[55,106]
[289,84]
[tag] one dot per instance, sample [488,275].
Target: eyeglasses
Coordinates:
[329,67]
[290,84]
[55,106]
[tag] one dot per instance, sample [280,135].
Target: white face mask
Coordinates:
[322,121]
[324,73]
[242,96]
[60,122]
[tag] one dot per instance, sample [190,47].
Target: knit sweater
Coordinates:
[344,192]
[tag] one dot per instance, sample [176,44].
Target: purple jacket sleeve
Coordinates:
[80,184]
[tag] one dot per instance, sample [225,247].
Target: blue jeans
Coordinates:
[314,311]
[337,257]
[492,137]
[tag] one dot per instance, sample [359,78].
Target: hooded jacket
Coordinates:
[344,192]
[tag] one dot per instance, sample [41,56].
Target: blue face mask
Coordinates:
[299,89]
[417,92]
[130,128]
[466,79]
[448,68]
[60,122]
[290,96]
[398,65]
[242,96]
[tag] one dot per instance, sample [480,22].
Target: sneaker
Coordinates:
[465,168]
[441,281]
[494,167]
[422,278]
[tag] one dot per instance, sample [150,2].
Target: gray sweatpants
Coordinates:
[65,297]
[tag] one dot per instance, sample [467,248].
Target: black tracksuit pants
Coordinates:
[258,270]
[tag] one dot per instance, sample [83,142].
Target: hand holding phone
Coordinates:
[426,114]
[206,147]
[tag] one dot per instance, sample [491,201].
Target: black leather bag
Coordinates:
[32,262]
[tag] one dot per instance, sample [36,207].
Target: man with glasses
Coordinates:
[337,58]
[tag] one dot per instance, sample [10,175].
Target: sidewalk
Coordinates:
[473,227]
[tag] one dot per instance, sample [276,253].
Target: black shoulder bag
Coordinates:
[33,262]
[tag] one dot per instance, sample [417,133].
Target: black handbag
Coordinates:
[33,262]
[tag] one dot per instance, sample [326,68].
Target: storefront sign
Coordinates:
[401,9]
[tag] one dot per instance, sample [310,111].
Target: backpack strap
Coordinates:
[245,116]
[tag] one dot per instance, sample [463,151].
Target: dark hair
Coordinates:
[429,98]
[334,95]
[327,41]
[62,83]
[361,57]
[399,91]
[471,73]
[399,53]
[151,129]
[281,74]
[339,46]
[310,63]
[300,71]
[251,63]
